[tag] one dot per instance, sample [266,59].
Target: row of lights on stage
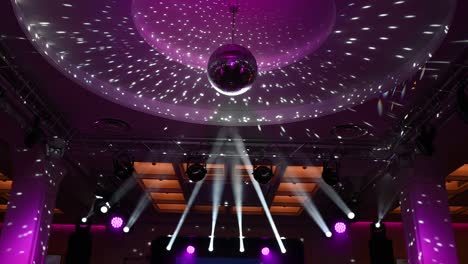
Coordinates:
[123,165]
[191,250]
[377,228]
[197,172]
[117,222]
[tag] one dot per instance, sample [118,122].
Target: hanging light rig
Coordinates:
[232,68]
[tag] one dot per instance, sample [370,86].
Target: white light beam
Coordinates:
[142,203]
[218,188]
[194,194]
[246,161]
[333,195]
[237,191]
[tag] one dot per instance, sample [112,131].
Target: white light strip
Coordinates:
[218,188]
[194,194]
[237,191]
[241,149]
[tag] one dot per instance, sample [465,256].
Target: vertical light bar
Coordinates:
[241,151]
[194,194]
[237,191]
[218,188]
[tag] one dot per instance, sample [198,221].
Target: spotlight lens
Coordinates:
[328,234]
[263,174]
[126,229]
[84,220]
[104,209]
[190,250]
[340,227]
[116,222]
[351,215]
[377,225]
[265,251]
[196,172]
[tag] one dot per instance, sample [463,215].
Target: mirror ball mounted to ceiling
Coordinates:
[232,69]
[211,62]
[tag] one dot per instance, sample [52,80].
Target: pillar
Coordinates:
[425,212]
[26,228]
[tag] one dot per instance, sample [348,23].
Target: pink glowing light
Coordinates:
[116,222]
[340,227]
[265,251]
[190,250]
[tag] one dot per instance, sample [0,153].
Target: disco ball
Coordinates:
[232,69]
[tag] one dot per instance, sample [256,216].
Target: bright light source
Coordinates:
[242,249]
[377,225]
[190,250]
[265,251]
[104,209]
[328,234]
[116,222]
[126,229]
[340,227]
[351,215]
[84,220]
[210,249]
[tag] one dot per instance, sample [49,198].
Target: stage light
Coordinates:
[116,222]
[242,249]
[351,215]
[84,220]
[328,234]
[126,229]
[104,209]
[265,251]
[378,230]
[196,172]
[190,250]
[263,174]
[340,227]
